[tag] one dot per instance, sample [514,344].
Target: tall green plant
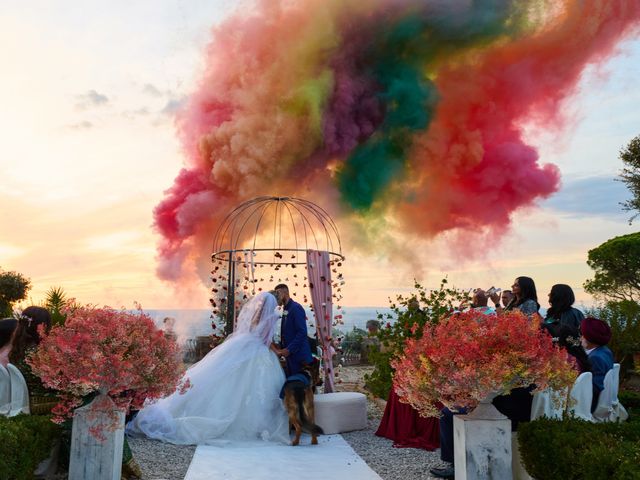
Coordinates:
[55,300]
[410,314]
[617,268]
[630,175]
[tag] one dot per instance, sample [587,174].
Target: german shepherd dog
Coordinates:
[298,400]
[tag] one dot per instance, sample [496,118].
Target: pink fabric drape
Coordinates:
[319,274]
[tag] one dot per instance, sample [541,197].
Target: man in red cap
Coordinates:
[595,336]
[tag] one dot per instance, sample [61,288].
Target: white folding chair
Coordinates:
[19,392]
[609,408]
[5,391]
[581,396]
[547,403]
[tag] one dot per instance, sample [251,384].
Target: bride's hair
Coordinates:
[258,316]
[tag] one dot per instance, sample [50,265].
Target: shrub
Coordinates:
[630,400]
[470,355]
[574,449]
[410,314]
[111,351]
[25,441]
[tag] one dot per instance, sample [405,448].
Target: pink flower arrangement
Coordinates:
[111,351]
[469,355]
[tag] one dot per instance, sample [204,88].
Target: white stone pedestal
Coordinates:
[92,458]
[482,444]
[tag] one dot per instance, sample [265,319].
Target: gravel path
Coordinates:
[388,462]
[162,461]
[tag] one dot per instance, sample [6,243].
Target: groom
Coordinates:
[293,332]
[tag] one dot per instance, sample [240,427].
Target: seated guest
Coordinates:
[563,324]
[561,313]
[413,307]
[7,326]
[595,336]
[373,326]
[479,302]
[26,339]
[506,297]
[169,328]
[571,342]
[525,297]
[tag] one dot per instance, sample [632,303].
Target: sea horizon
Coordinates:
[194,322]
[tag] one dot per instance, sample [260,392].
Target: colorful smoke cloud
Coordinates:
[406,114]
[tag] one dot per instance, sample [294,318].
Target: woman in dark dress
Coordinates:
[563,324]
[562,313]
[525,297]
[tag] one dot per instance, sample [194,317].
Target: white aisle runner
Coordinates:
[333,458]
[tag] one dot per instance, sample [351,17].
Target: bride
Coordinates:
[234,392]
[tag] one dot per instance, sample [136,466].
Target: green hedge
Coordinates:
[631,401]
[25,441]
[572,449]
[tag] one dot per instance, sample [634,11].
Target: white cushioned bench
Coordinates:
[340,412]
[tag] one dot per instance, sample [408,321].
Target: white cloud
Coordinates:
[91,99]
[152,90]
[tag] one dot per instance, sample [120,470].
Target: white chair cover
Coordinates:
[5,391]
[609,408]
[581,396]
[548,403]
[19,392]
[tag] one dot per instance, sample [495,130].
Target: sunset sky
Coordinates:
[89,91]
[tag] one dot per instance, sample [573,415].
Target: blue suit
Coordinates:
[293,337]
[601,360]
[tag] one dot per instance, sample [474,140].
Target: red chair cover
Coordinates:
[403,424]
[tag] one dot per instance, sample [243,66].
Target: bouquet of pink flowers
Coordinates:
[111,351]
[468,356]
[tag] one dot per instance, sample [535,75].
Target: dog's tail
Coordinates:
[304,421]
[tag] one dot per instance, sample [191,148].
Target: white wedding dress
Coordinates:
[235,390]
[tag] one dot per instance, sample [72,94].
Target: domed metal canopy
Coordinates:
[277,231]
[268,232]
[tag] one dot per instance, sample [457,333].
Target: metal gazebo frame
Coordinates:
[238,234]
